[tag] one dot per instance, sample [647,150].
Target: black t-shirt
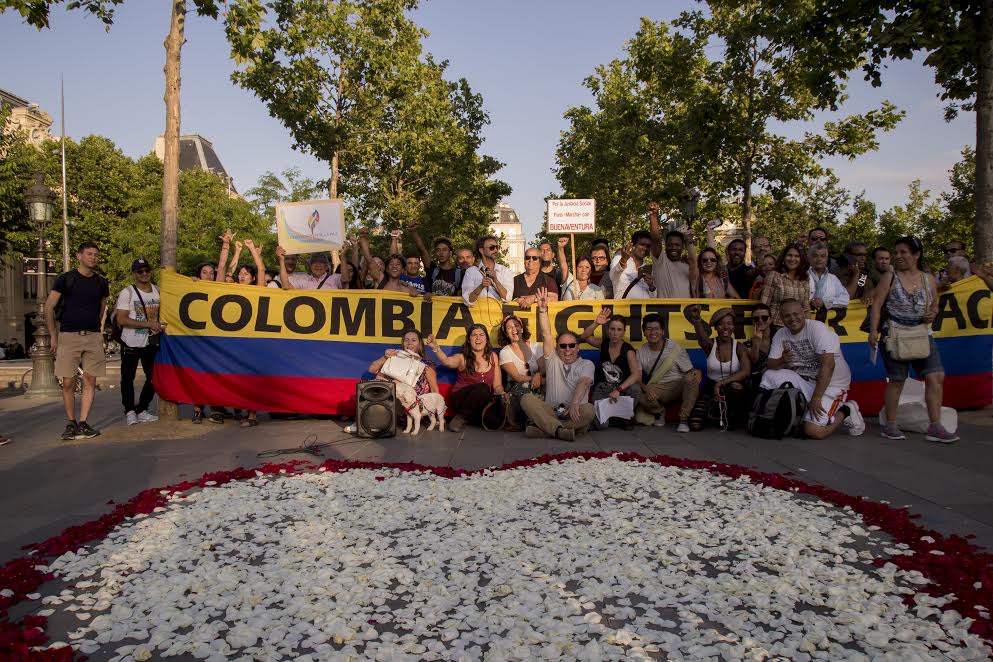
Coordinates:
[555,273]
[522,289]
[81,299]
[447,283]
[613,372]
[741,279]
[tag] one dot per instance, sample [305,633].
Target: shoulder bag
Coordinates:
[910,343]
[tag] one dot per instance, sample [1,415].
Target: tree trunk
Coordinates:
[169,411]
[333,189]
[983,229]
[746,207]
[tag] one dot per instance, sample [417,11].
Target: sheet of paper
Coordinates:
[622,408]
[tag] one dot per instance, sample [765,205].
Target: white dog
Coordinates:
[431,405]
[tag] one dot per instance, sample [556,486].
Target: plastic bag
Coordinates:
[911,412]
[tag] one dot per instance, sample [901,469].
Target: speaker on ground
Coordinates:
[375,412]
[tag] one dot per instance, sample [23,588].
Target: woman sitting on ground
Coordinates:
[724,397]
[478,380]
[519,358]
[412,342]
[788,281]
[618,371]
[711,283]
[760,342]
[246,275]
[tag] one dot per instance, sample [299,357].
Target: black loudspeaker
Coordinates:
[376,409]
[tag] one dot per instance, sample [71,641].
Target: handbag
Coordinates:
[910,343]
[404,367]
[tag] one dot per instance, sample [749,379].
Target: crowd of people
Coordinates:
[548,389]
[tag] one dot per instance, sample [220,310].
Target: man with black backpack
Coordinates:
[81,296]
[807,354]
[137,313]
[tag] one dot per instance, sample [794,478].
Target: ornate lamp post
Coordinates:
[688,201]
[40,201]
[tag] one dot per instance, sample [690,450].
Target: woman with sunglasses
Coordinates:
[519,359]
[478,378]
[724,397]
[618,372]
[909,296]
[760,342]
[711,283]
[788,281]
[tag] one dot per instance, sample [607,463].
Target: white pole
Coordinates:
[65,211]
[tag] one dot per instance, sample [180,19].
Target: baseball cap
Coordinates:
[140,263]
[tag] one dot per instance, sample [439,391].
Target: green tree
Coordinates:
[18,161]
[289,186]
[672,112]
[322,69]
[956,39]
[960,202]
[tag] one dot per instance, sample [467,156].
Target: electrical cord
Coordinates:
[309,445]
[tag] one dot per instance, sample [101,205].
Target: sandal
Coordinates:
[216,417]
[249,423]
[197,416]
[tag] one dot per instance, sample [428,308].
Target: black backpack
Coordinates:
[777,413]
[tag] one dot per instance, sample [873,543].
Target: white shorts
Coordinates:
[830,401]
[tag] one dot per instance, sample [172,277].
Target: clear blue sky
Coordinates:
[528,59]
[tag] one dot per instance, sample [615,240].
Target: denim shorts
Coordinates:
[900,370]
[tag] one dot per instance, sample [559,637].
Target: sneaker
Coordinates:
[682,427]
[534,432]
[4,440]
[937,432]
[84,431]
[131,418]
[565,434]
[351,428]
[145,417]
[854,421]
[659,421]
[628,425]
[70,431]
[457,424]
[891,431]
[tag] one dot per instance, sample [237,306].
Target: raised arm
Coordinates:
[371,267]
[455,362]
[547,341]
[395,242]
[233,264]
[587,336]
[655,228]
[256,252]
[421,248]
[702,332]
[691,261]
[222,259]
[561,243]
[284,277]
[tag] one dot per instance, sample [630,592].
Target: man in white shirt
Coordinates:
[629,275]
[319,278]
[671,273]
[826,291]
[807,354]
[566,410]
[137,313]
[667,376]
[487,278]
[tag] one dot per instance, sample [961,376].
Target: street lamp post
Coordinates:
[40,201]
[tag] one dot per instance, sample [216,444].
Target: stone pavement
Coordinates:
[47,485]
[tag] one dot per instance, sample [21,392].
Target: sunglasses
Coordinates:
[952,250]
[567,345]
[708,260]
[760,318]
[532,257]
[818,238]
[143,271]
[599,258]
[492,248]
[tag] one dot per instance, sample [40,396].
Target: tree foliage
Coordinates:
[704,100]
[289,186]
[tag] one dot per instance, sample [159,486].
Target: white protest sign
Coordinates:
[574,216]
[310,226]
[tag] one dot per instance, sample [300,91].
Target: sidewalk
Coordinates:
[47,484]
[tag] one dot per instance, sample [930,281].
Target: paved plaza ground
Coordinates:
[47,485]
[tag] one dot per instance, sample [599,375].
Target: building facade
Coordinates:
[507,226]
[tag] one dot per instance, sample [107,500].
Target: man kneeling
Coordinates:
[807,354]
[566,410]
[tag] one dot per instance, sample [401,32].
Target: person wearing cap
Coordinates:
[724,398]
[137,313]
